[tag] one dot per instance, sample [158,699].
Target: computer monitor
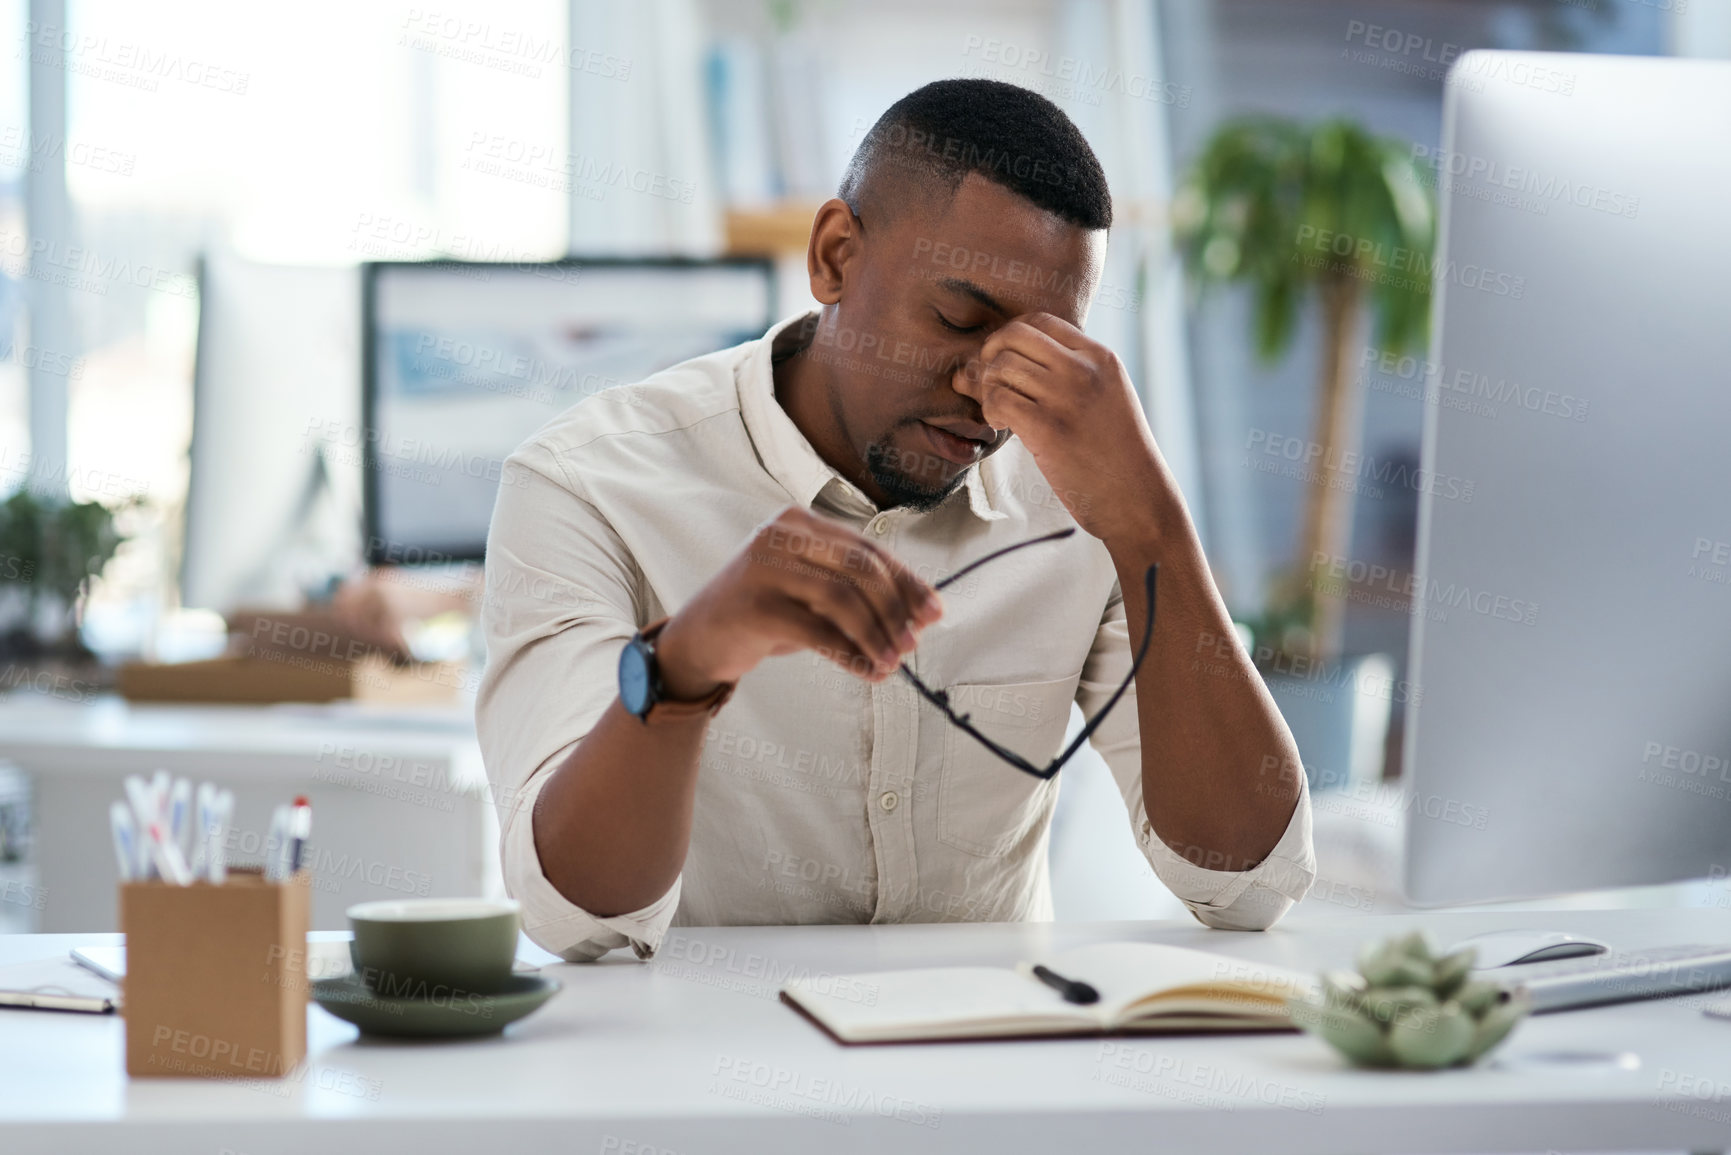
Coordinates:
[273,504]
[464,361]
[1571,728]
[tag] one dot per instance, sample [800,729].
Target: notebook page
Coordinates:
[914,1003]
[1127,972]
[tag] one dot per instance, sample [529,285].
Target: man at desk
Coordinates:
[761,529]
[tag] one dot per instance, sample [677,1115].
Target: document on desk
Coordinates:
[1144,988]
[56,984]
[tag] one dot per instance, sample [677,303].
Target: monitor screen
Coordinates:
[465,361]
[274,492]
[1567,727]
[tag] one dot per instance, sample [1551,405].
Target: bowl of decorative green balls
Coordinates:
[1409,1007]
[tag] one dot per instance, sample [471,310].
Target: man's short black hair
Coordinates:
[1007,134]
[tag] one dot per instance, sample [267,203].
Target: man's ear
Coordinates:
[835,244]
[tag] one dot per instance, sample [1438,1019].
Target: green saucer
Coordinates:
[464,1015]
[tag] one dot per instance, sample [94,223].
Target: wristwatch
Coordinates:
[640,688]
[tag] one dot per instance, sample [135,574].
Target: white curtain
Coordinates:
[1140,309]
[650,124]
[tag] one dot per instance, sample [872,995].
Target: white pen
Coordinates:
[223,818]
[204,815]
[159,787]
[276,842]
[180,817]
[125,833]
[143,801]
[167,855]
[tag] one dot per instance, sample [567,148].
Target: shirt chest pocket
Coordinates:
[986,806]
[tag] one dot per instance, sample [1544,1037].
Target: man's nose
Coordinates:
[968,368]
[967,372]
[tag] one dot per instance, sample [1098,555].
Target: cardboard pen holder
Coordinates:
[216,979]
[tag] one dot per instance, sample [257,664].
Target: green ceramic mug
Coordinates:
[434,948]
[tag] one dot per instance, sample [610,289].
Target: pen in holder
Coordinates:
[216,975]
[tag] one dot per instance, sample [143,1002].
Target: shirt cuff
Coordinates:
[557,924]
[1251,899]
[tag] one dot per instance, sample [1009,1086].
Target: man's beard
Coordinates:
[883,463]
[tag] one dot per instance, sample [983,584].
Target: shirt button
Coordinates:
[888,800]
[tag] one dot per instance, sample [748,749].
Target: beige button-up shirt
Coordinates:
[821,798]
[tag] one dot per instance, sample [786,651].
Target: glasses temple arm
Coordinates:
[997,553]
[1087,731]
[941,700]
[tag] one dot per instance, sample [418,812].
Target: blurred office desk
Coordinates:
[399,797]
[693,1054]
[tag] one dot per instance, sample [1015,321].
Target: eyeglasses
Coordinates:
[941,698]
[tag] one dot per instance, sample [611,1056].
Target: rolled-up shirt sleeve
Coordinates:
[1251,899]
[563,595]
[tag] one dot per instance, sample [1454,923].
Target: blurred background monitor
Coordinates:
[273,500]
[1572,729]
[463,361]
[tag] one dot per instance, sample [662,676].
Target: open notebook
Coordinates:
[1145,988]
[56,984]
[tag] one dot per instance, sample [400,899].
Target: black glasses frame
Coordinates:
[941,698]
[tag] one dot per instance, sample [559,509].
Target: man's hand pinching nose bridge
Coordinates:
[1070,401]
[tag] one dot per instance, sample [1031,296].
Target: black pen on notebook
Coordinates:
[1073,991]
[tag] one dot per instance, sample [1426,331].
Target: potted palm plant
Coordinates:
[1330,214]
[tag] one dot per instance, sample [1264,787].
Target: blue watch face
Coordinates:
[634,678]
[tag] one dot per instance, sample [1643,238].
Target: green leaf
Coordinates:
[1398,970]
[1495,1026]
[1267,191]
[1386,1004]
[1415,945]
[1452,971]
[1478,996]
[1358,1038]
[1431,1036]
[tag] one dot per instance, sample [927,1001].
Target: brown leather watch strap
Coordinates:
[672,710]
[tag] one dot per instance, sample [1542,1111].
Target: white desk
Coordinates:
[400,800]
[644,1058]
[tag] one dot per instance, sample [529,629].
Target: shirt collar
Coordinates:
[784,451]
